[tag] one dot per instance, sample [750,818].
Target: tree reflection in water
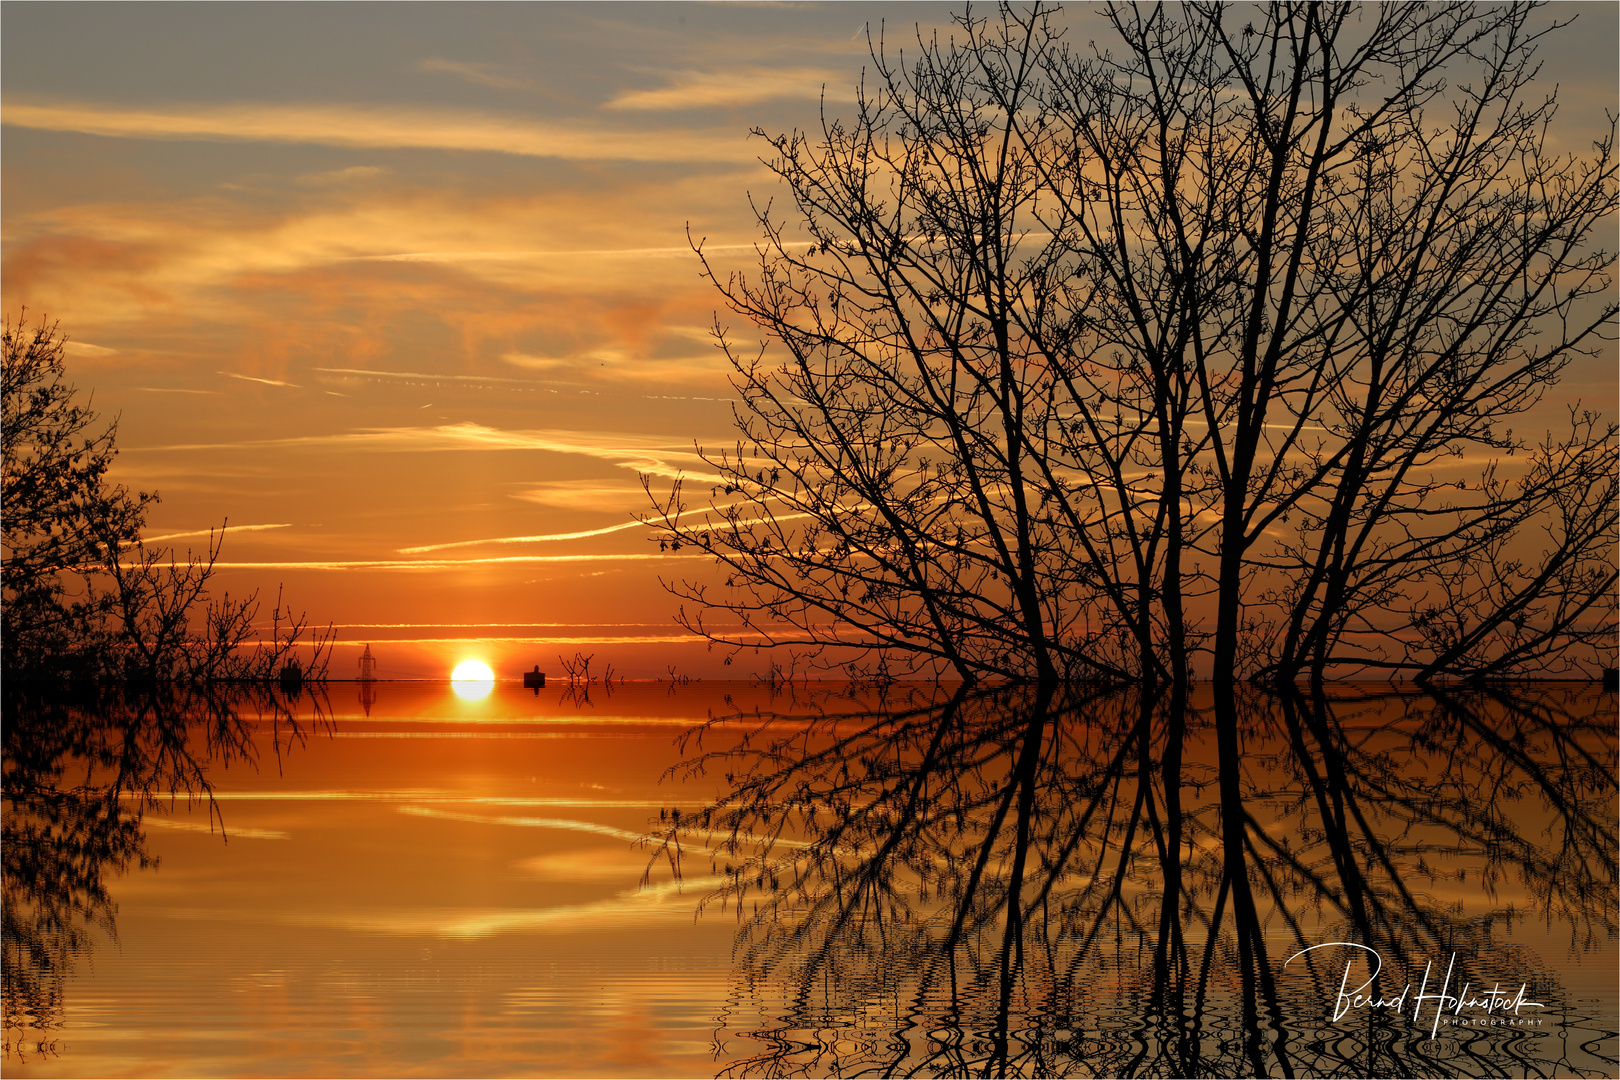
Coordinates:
[80,773]
[1017,883]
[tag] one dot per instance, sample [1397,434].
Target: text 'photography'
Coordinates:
[886,539]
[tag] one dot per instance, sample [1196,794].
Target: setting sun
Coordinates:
[472,671]
[472,679]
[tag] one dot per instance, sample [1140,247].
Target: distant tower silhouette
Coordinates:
[368,680]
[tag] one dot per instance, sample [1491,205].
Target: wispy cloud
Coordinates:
[445,564]
[622,366]
[426,376]
[718,526]
[352,174]
[581,535]
[681,252]
[491,75]
[382,127]
[250,378]
[585,362]
[85,349]
[674,638]
[585,495]
[729,87]
[399,251]
[654,456]
[210,532]
[536,363]
[490,625]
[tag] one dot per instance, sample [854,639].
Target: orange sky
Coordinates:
[404,293]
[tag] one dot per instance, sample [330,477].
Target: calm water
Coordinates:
[709,880]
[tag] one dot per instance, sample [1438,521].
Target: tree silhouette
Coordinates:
[1080,363]
[85,599]
[61,518]
[1341,293]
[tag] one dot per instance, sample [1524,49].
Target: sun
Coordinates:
[472,680]
[473,671]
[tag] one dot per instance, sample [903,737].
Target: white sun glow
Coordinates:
[472,679]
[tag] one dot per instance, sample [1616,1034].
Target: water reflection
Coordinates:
[79,775]
[1016,883]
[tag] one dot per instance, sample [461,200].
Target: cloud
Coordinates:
[702,334]
[350,175]
[654,456]
[584,495]
[250,378]
[482,74]
[540,272]
[488,625]
[85,349]
[623,365]
[413,376]
[444,564]
[718,526]
[535,363]
[676,252]
[383,128]
[211,532]
[526,539]
[728,88]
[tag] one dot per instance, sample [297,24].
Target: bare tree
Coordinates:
[1092,362]
[1337,259]
[896,491]
[159,602]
